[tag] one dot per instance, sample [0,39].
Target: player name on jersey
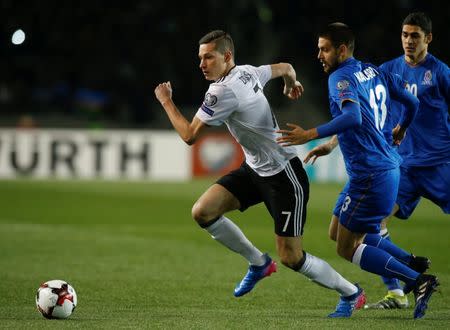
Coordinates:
[366,74]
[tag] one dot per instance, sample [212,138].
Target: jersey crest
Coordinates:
[427,78]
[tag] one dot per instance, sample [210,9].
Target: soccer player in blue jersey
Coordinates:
[425,171]
[359,97]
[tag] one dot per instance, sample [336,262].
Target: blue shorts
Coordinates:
[431,182]
[365,202]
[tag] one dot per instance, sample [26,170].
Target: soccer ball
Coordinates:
[56,299]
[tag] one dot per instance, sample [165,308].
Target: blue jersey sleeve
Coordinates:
[396,85]
[398,92]
[342,88]
[444,82]
[351,117]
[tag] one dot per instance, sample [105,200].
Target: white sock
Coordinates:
[358,254]
[230,235]
[319,271]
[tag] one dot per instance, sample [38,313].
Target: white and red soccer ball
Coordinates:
[56,299]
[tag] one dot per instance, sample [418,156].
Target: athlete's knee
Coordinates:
[200,213]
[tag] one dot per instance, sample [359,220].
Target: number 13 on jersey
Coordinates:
[378,104]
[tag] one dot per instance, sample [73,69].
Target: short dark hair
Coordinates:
[419,19]
[339,34]
[222,40]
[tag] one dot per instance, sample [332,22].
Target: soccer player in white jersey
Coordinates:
[271,173]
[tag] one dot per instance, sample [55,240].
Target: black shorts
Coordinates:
[285,194]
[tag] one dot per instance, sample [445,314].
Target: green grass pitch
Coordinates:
[138,260]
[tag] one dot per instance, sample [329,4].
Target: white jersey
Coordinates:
[238,101]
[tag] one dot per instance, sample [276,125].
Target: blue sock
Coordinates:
[391,283]
[378,241]
[377,261]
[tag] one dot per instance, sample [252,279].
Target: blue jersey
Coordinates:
[427,141]
[365,148]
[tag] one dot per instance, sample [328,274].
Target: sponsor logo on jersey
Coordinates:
[210,99]
[345,95]
[427,78]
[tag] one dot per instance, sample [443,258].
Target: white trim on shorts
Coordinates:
[298,211]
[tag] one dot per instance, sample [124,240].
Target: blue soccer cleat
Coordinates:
[347,305]
[424,288]
[254,275]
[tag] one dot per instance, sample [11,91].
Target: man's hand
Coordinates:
[398,134]
[321,150]
[293,92]
[296,136]
[163,92]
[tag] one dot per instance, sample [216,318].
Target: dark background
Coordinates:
[96,63]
